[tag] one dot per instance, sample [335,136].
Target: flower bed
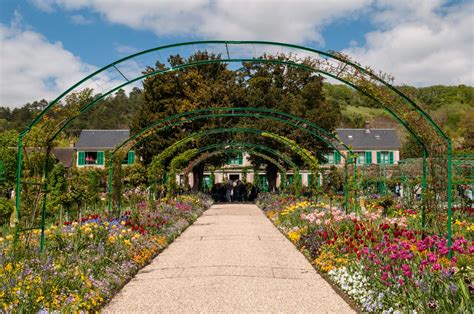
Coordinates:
[86,262]
[381,262]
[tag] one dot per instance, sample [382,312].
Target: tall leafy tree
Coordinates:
[292,90]
[210,85]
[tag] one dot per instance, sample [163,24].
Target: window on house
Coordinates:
[329,158]
[235,159]
[90,158]
[385,157]
[360,158]
[332,158]
[129,158]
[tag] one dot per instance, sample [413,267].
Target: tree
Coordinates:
[211,85]
[8,157]
[293,90]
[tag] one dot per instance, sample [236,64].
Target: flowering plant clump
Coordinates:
[85,262]
[381,261]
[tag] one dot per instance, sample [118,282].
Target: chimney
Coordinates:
[367,127]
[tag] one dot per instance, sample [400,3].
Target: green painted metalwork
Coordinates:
[239,150]
[343,68]
[235,112]
[253,146]
[202,134]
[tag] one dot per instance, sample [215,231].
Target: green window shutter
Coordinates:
[337,158]
[100,158]
[81,158]
[241,159]
[379,158]
[131,157]
[368,158]
[390,158]
[309,179]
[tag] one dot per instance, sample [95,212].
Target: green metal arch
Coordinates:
[253,147]
[235,112]
[198,160]
[183,141]
[326,56]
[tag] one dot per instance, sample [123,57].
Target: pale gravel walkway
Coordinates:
[232,259]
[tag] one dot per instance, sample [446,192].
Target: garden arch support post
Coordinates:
[337,64]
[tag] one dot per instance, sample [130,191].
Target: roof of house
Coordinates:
[369,138]
[101,139]
[64,155]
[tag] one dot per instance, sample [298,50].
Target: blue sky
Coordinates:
[46,45]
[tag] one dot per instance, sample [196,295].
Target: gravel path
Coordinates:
[232,259]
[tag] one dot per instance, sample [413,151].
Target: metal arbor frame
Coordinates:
[239,148]
[249,112]
[129,70]
[205,133]
[204,156]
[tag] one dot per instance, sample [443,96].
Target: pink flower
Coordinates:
[436,267]
[432,258]
[401,282]
[384,276]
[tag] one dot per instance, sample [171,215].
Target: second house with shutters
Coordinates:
[372,146]
[92,146]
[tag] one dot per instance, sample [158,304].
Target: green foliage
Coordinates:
[58,188]
[176,165]
[189,89]
[8,156]
[6,210]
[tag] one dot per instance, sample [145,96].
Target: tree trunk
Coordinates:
[272,173]
[198,174]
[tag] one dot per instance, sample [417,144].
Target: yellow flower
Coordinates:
[91,236]
[294,236]
[136,236]
[111,239]
[1,240]
[122,223]
[9,237]
[9,267]
[470,228]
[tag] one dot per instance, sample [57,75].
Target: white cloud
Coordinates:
[421,42]
[125,50]
[294,21]
[79,19]
[33,68]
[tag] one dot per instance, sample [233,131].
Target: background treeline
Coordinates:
[452,107]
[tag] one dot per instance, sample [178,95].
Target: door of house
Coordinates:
[263,183]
